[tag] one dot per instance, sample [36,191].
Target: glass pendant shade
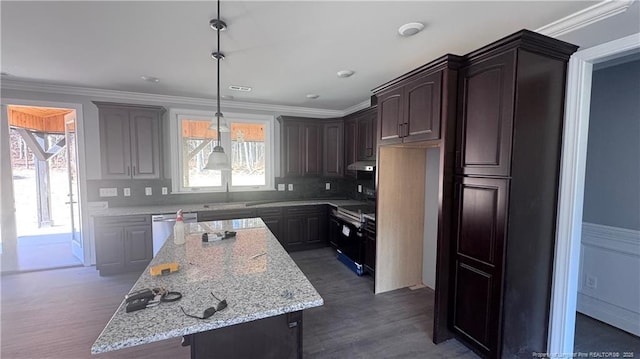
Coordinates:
[218,160]
[223,124]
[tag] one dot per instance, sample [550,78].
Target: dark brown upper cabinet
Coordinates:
[360,137]
[366,143]
[130,141]
[508,145]
[486,119]
[301,147]
[350,143]
[411,112]
[333,158]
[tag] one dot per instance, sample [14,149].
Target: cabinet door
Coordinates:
[316,227]
[291,149]
[333,165]
[485,132]
[295,232]
[390,117]
[145,144]
[272,217]
[422,98]
[109,249]
[367,136]
[350,144]
[138,246]
[115,143]
[312,142]
[480,242]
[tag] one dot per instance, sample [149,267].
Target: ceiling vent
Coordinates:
[240,88]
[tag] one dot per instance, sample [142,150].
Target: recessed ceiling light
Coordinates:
[150,79]
[312,96]
[240,88]
[345,73]
[410,29]
[227,97]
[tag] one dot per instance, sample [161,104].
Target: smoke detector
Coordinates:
[410,29]
[345,73]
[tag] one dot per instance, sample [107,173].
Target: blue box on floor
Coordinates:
[355,267]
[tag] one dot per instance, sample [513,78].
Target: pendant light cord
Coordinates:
[218,113]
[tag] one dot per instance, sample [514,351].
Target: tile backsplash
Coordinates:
[302,188]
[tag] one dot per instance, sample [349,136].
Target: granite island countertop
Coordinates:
[255,285]
[196,207]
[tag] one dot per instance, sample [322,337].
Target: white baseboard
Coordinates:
[618,317]
[609,288]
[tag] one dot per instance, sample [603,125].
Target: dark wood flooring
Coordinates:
[593,335]
[59,313]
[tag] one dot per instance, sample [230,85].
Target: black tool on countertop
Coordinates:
[137,304]
[145,293]
[217,236]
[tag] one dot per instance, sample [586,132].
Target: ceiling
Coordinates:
[283,50]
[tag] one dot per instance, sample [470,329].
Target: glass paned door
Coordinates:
[77,245]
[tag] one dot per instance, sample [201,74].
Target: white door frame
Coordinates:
[570,201]
[82,171]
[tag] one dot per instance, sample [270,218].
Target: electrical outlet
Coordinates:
[592,282]
[165,190]
[108,192]
[126,191]
[327,186]
[290,186]
[281,187]
[148,191]
[360,188]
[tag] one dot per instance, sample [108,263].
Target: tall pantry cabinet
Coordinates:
[509,132]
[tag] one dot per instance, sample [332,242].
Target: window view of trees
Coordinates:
[247,154]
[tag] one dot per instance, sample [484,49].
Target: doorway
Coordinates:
[44,172]
[566,279]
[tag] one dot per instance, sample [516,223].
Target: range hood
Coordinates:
[366,166]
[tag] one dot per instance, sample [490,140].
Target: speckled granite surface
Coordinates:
[128,211]
[254,287]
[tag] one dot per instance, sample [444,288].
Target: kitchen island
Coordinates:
[265,291]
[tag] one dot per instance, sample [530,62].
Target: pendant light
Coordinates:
[218,159]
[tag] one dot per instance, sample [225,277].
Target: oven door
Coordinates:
[347,237]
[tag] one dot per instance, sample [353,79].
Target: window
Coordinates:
[247,143]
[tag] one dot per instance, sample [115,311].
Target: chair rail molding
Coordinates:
[571,189]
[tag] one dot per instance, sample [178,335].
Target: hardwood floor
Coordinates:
[59,313]
[593,335]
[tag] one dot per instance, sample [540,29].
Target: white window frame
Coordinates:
[177,115]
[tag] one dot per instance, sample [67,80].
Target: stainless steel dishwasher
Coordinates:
[162,227]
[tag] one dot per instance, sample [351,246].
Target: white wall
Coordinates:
[430,218]
[609,288]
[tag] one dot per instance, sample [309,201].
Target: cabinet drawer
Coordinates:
[122,220]
[206,216]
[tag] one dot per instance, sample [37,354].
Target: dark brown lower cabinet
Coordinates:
[305,227]
[123,244]
[272,217]
[480,243]
[278,337]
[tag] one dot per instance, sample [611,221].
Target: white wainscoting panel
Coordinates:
[609,288]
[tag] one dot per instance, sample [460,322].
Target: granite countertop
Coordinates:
[163,209]
[254,287]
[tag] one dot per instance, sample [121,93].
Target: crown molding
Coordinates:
[93,93]
[357,107]
[585,17]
